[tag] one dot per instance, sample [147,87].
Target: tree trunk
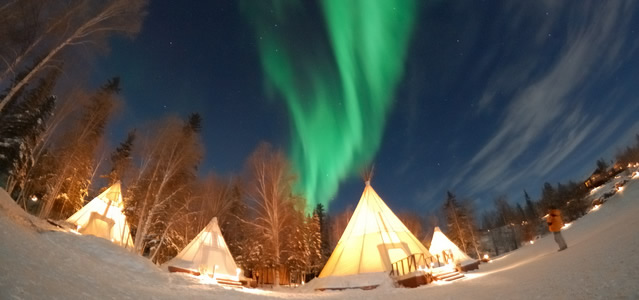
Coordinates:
[82,32]
[276,279]
[472,234]
[32,73]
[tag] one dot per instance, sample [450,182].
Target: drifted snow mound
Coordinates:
[12,210]
[379,279]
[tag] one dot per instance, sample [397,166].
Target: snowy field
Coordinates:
[600,263]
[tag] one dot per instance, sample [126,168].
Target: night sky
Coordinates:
[490,97]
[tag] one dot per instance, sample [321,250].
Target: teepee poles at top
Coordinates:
[367,173]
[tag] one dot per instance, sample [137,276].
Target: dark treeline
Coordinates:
[507,225]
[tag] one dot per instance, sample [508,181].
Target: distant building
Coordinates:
[596,179]
[599,177]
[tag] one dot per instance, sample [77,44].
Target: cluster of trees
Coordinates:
[53,152]
[507,226]
[52,130]
[630,154]
[461,225]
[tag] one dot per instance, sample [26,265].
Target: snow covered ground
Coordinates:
[601,262]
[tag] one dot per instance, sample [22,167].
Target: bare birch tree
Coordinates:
[168,159]
[270,197]
[65,108]
[84,22]
[75,155]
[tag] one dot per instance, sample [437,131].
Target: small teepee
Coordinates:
[445,248]
[207,254]
[373,240]
[103,217]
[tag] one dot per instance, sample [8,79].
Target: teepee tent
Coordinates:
[207,254]
[373,240]
[103,217]
[442,246]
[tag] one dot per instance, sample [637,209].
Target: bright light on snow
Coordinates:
[204,279]
[566,226]
[237,274]
[34,198]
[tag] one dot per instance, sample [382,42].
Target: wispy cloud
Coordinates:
[544,112]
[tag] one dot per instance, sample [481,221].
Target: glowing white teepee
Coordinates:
[103,217]
[373,240]
[440,244]
[207,254]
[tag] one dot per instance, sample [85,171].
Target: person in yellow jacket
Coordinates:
[554,225]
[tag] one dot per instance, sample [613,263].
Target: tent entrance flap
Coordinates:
[98,225]
[391,253]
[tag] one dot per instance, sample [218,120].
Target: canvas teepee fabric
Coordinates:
[206,254]
[103,217]
[374,239]
[440,244]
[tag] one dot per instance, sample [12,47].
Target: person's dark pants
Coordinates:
[560,240]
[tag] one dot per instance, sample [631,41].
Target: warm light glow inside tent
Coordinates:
[103,217]
[374,239]
[208,255]
[440,244]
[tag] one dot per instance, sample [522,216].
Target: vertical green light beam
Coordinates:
[338,85]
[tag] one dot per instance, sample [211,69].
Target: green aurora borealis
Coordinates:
[338,81]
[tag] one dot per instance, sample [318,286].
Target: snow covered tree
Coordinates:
[461,228]
[168,156]
[244,241]
[301,251]
[43,162]
[74,156]
[269,194]
[316,257]
[209,197]
[295,250]
[455,219]
[23,125]
[324,223]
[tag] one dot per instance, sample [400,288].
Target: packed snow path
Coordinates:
[601,262]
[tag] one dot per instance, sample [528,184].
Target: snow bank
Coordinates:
[600,263]
[380,279]
[11,209]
